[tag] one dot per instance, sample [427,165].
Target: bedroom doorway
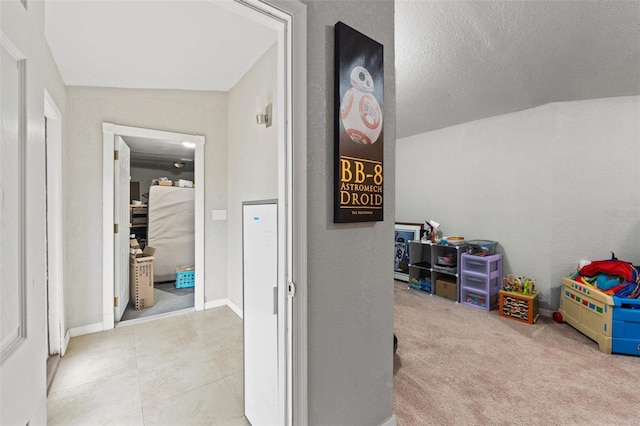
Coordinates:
[172,224]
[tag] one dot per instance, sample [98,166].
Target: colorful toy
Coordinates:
[521,284]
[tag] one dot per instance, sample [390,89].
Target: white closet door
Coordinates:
[260,260]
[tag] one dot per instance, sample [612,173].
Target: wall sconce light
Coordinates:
[265,118]
[263,115]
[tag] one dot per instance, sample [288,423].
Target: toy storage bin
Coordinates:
[588,311]
[481,247]
[614,323]
[625,331]
[185,276]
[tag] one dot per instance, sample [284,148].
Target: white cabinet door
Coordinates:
[23,338]
[260,270]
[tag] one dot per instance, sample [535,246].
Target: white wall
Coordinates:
[252,157]
[596,175]
[145,175]
[201,113]
[553,184]
[350,266]
[53,82]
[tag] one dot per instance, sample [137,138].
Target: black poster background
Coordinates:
[362,201]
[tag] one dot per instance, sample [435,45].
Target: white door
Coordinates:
[23,337]
[122,178]
[262,396]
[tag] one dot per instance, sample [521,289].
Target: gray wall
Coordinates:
[252,157]
[553,184]
[350,266]
[202,113]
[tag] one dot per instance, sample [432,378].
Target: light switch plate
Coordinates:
[219,214]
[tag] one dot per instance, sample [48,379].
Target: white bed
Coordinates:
[171,229]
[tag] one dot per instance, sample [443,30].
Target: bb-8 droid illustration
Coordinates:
[359,109]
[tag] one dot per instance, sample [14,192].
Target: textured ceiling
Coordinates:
[458,61]
[197,45]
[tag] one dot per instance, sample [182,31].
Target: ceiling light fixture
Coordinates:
[178,165]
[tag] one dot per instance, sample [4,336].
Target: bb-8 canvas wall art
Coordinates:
[359,127]
[359,110]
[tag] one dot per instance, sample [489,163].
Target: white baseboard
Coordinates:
[391,421]
[224,302]
[215,303]
[87,329]
[94,328]
[65,342]
[545,313]
[234,308]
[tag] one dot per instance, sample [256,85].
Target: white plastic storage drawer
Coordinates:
[480,283]
[486,265]
[475,299]
[474,282]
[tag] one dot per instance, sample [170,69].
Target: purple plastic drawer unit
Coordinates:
[480,280]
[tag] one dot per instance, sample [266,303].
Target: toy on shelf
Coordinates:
[524,285]
[423,284]
[432,225]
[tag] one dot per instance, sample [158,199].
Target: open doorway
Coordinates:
[170,210]
[161,212]
[162,216]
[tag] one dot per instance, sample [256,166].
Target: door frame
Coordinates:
[58,336]
[109,133]
[289,19]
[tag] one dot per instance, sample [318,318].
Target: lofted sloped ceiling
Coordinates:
[458,61]
[153,44]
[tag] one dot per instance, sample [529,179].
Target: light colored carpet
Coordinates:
[457,365]
[166,298]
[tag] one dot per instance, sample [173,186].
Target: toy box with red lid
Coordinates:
[602,301]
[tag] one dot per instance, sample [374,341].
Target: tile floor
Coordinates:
[179,370]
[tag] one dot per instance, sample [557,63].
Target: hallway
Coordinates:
[185,369]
